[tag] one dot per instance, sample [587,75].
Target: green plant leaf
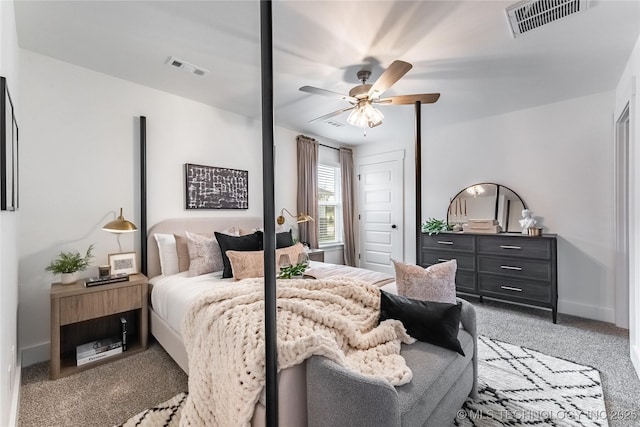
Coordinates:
[71,262]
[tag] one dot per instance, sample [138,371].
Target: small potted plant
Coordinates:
[67,264]
[435,226]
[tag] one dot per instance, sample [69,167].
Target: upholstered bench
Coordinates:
[442,380]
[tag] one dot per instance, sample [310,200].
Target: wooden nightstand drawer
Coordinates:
[77,308]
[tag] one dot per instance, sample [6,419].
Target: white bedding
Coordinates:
[172,295]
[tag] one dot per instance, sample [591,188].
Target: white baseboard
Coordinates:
[635,358]
[36,354]
[594,312]
[15,393]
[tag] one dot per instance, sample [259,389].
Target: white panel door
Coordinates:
[381,213]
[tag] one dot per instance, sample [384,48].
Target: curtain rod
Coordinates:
[328,146]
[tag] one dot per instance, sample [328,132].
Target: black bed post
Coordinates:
[270,333]
[143,194]
[418,185]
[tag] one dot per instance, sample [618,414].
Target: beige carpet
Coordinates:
[104,396]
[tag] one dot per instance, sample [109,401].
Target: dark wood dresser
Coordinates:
[506,266]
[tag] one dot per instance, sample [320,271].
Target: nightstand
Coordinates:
[80,315]
[316,255]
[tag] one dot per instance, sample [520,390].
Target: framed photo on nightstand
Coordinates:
[125,262]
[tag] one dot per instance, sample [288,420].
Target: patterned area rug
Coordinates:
[517,387]
[166,414]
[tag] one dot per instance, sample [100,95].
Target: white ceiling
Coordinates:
[462,49]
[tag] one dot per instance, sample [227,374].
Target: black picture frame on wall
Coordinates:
[210,187]
[8,150]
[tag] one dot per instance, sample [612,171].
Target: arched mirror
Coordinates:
[487,201]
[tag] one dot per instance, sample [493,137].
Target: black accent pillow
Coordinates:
[428,321]
[249,242]
[283,240]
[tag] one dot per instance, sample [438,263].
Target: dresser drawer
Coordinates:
[515,267]
[513,289]
[466,281]
[465,262]
[449,241]
[77,308]
[526,247]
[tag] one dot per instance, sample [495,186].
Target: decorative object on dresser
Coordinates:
[8,150]
[505,266]
[81,315]
[67,264]
[486,201]
[209,187]
[435,226]
[527,221]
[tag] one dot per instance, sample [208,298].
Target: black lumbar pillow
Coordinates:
[250,242]
[283,240]
[433,322]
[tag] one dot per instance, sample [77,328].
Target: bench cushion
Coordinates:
[435,370]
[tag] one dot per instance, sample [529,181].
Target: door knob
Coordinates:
[394,226]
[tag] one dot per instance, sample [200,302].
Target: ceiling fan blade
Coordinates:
[396,70]
[425,98]
[335,113]
[324,92]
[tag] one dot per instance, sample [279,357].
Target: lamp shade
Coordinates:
[120,225]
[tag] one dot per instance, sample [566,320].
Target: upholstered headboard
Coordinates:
[196,225]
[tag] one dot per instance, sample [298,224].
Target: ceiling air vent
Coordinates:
[530,14]
[334,123]
[186,66]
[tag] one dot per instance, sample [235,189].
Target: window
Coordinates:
[329,205]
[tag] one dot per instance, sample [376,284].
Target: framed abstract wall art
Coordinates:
[8,150]
[209,187]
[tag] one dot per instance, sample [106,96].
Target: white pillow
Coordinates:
[168,253]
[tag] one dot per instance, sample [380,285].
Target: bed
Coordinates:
[174,296]
[170,296]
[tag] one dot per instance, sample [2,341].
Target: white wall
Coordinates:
[627,94]
[9,364]
[79,164]
[558,158]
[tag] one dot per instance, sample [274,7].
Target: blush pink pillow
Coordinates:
[435,283]
[247,264]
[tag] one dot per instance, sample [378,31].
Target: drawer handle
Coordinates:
[510,288]
[443,260]
[508,267]
[444,242]
[510,247]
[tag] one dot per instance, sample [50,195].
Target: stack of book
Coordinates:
[99,349]
[103,280]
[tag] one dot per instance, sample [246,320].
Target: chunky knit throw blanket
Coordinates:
[224,336]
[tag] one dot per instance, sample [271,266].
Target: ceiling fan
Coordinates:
[363,97]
